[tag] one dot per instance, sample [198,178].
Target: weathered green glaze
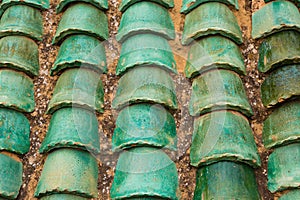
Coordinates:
[144,125]
[16,91]
[39,4]
[144,172]
[218,90]
[226,180]
[15,131]
[223,135]
[279,49]
[210,19]
[189,5]
[63,197]
[274,17]
[69,171]
[64,4]
[145,84]
[214,52]
[80,51]
[146,17]
[72,127]
[91,21]
[146,49]
[292,195]
[22,20]
[282,126]
[10,177]
[127,3]
[284,168]
[280,85]
[19,53]
[78,88]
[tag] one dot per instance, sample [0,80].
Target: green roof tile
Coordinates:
[146,84]
[283,168]
[274,17]
[15,131]
[146,49]
[78,88]
[145,172]
[221,136]
[226,180]
[16,91]
[22,20]
[72,127]
[210,19]
[218,90]
[91,21]
[144,125]
[69,171]
[146,17]
[20,53]
[281,85]
[80,51]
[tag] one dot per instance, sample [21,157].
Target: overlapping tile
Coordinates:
[91,21]
[15,131]
[10,176]
[144,125]
[281,85]
[16,91]
[283,168]
[78,88]
[279,49]
[150,84]
[137,176]
[19,53]
[226,180]
[223,135]
[146,49]
[80,51]
[72,127]
[214,52]
[148,17]
[22,20]
[69,171]
[274,17]
[218,90]
[39,4]
[282,125]
[210,19]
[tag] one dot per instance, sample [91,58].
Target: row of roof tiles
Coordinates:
[223,146]
[279,58]
[20,27]
[144,97]
[72,140]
